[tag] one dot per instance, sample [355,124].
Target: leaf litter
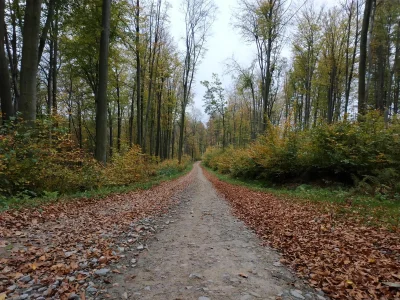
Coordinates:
[342,257]
[55,250]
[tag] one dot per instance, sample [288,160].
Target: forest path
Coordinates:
[204,252]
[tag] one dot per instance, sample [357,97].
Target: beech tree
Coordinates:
[29,60]
[5,86]
[101,105]
[199,16]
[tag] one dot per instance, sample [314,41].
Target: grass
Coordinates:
[27,201]
[369,210]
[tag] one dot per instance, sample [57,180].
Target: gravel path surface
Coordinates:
[203,252]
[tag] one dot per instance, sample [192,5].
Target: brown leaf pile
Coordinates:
[342,257]
[53,241]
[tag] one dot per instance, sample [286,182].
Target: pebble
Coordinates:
[24,296]
[25,278]
[91,289]
[195,276]
[147,288]
[12,288]
[140,247]
[297,294]
[204,298]
[73,296]
[102,272]
[125,295]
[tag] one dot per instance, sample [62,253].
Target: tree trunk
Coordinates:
[55,58]
[138,78]
[110,131]
[7,110]
[50,79]
[158,134]
[119,117]
[29,61]
[46,28]
[362,97]
[131,116]
[101,107]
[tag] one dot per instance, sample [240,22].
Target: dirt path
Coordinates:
[203,252]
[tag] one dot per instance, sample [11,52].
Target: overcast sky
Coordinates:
[224,43]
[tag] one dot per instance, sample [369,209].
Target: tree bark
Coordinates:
[119,117]
[101,107]
[7,110]
[138,78]
[46,28]
[29,61]
[55,59]
[362,97]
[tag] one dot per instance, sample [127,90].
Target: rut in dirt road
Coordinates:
[206,253]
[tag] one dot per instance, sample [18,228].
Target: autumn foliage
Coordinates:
[363,155]
[47,159]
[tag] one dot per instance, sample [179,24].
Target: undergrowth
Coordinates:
[43,164]
[368,209]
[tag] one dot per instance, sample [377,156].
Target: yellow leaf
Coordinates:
[3,296]
[34,266]
[349,282]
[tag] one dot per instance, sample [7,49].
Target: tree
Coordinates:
[7,110]
[101,105]
[262,22]
[362,97]
[199,16]
[214,102]
[29,61]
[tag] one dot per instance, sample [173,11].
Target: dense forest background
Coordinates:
[105,79]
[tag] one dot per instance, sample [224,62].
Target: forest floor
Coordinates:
[178,240]
[182,240]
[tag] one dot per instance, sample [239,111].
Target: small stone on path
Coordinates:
[102,272]
[297,294]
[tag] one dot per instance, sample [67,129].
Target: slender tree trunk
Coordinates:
[131,116]
[80,137]
[46,28]
[362,97]
[13,59]
[101,107]
[349,73]
[110,131]
[29,61]
[138,78]
[119,117]
[55,59]
[7,109]
[158,134]
[50,79]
